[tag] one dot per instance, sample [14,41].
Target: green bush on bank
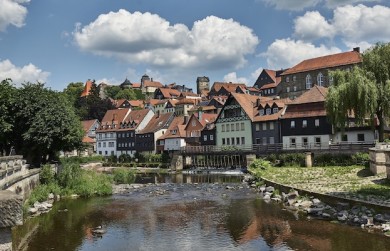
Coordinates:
[81,160]
[123,176]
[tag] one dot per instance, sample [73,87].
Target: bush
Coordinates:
[47,175]
[123,176]
[260,164]
[292,159]
[124,158]
[341,159]
[41,192]
[81,160]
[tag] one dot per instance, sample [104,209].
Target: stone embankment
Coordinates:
[344,212]
[43,207]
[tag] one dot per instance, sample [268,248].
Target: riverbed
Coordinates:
[186,212]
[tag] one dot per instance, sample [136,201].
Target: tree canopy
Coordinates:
[41,122]
[363,92]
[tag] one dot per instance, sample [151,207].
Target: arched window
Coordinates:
[308,81]
[320,79]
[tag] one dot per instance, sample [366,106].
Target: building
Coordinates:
[89,139]
[134,122]
[195,125]
[315,71]
[183,106]
[175,136]
[148,86]
[268,82]
[147,137]
[202,83]
[107,133]
[166,93]
[87,88]
[224,89]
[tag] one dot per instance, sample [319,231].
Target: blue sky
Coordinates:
[58,42]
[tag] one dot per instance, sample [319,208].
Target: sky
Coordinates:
[58,42]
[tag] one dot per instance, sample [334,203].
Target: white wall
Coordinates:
[106,139]
[352,136]
[311,141]
[174,144]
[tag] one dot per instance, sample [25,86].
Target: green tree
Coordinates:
[73,91]
[45,123]
[7,100]
[112,91]
[128,94]
[364,90]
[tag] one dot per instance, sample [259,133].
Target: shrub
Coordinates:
[123,176]
[292,159]
[41,192]
[260,164]
[81,160]
[47,175]
[124,158]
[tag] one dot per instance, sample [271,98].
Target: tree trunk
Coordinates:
[381,126]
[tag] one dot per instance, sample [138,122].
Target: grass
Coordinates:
[347,181]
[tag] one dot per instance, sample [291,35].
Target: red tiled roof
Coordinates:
[148,83]
[87,124]
[190,94]
[248,102]
[87,88]
[230,87]
[315,94]
[157,122]
[169,93]
[153,101]
[186,101]
[178,125]
[87,139]
[136,103]
[136,85]
[329,61]
[113,117]
[119,102]
[281,105]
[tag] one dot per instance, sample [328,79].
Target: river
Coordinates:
[186,212]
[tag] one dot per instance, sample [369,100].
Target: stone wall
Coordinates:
[380,159]
[11,209]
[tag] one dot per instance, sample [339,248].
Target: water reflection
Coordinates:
[188,217]
[189,178]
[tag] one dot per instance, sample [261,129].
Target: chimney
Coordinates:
[200,113]
[185,119]
[258,102]
[357,49]
[158,114]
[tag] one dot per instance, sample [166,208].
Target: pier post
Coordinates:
[309,159]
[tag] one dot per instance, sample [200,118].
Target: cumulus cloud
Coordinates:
[27,73]
[212,43]
[232,77]
[285,53]
[12,12]
[298,5]
[355,25]
[256,73]
[292,5]
[312,26]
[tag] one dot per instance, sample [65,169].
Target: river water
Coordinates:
[187,212]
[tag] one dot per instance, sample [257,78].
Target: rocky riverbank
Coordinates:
[340,211]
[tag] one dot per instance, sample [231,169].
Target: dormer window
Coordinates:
[308,81]
[174,132]
[268,111]
[261,112]
[275,110]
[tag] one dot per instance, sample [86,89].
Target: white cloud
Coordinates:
[12,12]
[232,77]
[212,43]
[292,5]
[312,26]
[355,25]
[335,3]
[27,73]
[256,73]
[285,53]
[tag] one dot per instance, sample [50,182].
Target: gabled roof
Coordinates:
[87,88]
[119,102]
[136,103]
[113,117]
[152,101]
[190,94]
[329,61]
[87,124]
[281,104]
[136,85]
[315,94]
[230,87]
[148,83]
[207,118]
[173,102]
[186,101]
[169,93]
[177,125]
[158,122]
[248,102]
[89,140]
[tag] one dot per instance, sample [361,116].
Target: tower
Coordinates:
[202,83]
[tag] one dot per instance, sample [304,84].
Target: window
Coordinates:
[204,137]
[232,127]
[288,89]
[106,152]
[304,123]
[100,152]
[110,144]
[264,140]
[272,90]
[233,141]
[223,128]
[223,141]
[257,127]
[238,140]
[360,137]
[227,127]
[344,137]
[261,112]
[228,141]
[275,110]
[292,125]
[295,88]
[264,126]
[100,136]
[193,123]
[243,140]
[99,144]
[258,141]
[320,79]
[272,140]
[268,111]
[287,79]
[294,78]
[308,81]
[305,141]
[211,137]
[317,123]
[317,141]
[293,142]
[271,125]
[237,126]
[242,127]
[112,152]
[104,144]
